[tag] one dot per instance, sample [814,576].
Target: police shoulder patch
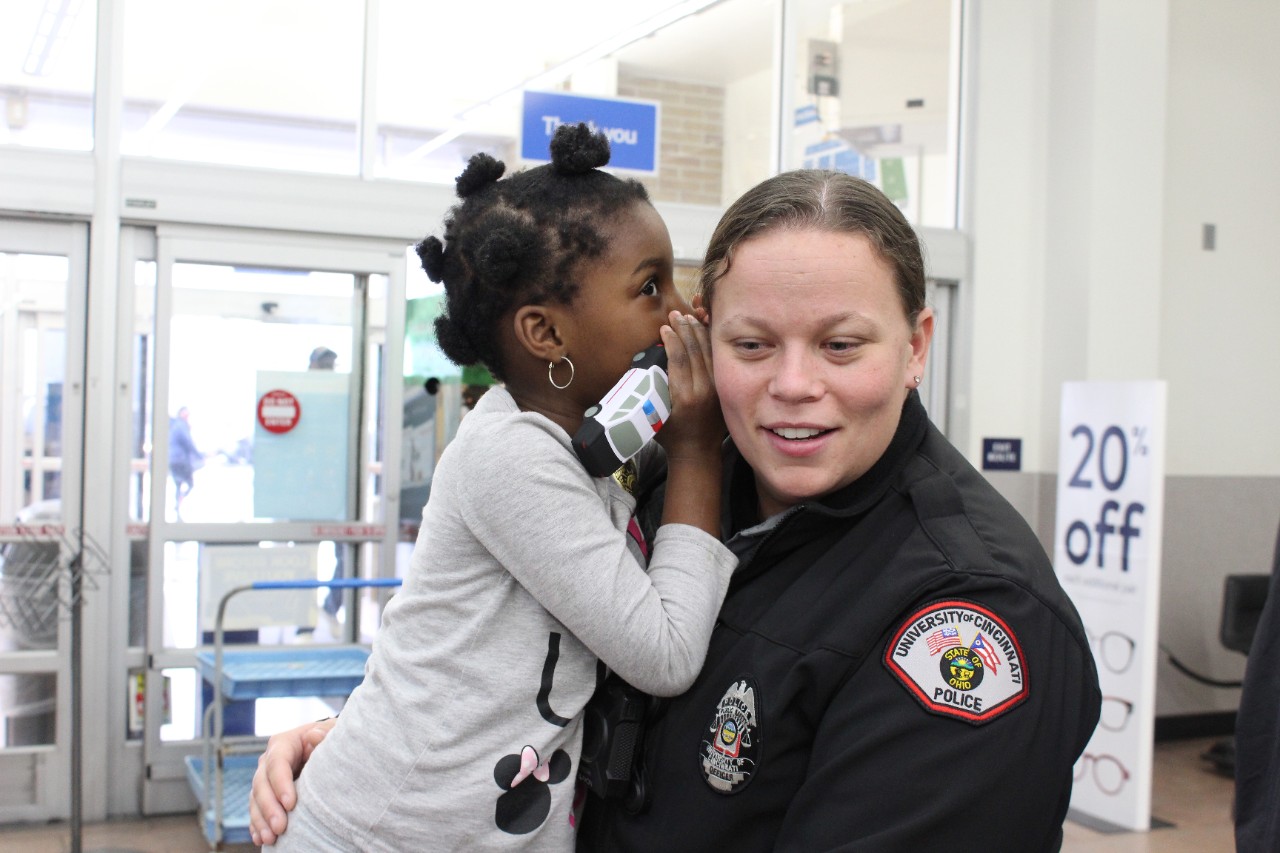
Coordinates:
[730,748]
[959,659]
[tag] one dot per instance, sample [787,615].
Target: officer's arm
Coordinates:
[886,773]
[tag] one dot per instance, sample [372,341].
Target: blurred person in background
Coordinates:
[184,457]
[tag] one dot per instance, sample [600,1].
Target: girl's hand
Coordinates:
[694,434]
[696,426]
[700,311]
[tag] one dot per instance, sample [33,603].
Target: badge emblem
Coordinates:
[959,659]
[732,740]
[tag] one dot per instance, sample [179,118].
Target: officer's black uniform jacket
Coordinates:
[840,753]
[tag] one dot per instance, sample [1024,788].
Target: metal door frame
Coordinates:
[49,766]
[164,786]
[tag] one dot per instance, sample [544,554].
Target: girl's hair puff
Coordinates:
[520,241]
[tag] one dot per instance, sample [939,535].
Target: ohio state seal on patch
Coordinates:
[959,659]
[732,740]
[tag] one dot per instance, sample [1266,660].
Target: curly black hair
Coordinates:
[519,241]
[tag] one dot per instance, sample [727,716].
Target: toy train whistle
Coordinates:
[629,416]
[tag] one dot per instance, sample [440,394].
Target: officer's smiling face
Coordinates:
[814,357]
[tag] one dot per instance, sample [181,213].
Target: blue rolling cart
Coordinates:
[222,775]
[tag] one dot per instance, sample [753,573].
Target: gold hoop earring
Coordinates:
[551,366]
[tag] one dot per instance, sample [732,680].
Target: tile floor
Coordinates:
[1186,792]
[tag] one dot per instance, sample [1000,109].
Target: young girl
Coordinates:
[465,734]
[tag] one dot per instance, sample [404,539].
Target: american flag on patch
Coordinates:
[984,651]
[942,638]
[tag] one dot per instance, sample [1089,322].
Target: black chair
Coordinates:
[1243,597]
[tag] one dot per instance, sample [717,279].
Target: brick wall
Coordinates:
[690,151]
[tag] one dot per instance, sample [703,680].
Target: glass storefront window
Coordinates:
[186,696]
[46,73]
[196,577]
[245,83]
[182,707]
[238,335]
[427,131]
[435,394]
[198,574]
[707,64]
[280,85]
[28,710]
[31,570]
[142,373]
[872,96]
[713,74]
[33,347]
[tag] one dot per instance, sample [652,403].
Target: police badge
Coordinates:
[732,741]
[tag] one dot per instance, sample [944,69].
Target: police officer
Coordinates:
[896,663]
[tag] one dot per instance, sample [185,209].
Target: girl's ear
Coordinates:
[537,332]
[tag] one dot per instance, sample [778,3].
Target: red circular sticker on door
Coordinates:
[279,411]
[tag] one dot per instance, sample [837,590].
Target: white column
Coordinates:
[103,639]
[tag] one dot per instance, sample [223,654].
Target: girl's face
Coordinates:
[813,358]
[624,299]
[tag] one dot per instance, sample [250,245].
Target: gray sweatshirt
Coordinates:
[523,575]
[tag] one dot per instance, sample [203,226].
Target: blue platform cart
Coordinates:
[222,775]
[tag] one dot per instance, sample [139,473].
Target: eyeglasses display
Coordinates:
[1113,649]
[1109,775]
[1115,713]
